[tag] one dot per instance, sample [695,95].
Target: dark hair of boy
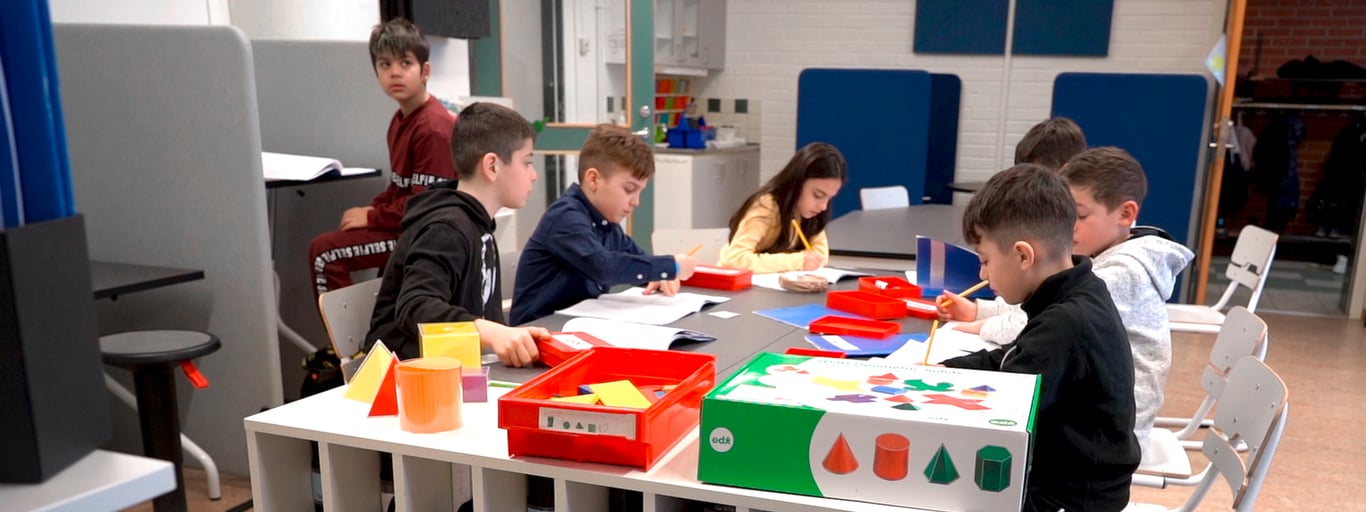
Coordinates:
[395,38]
[1111,174]
[610,148]
[814,160]
[1026,202]
[484,128]
[1050,143]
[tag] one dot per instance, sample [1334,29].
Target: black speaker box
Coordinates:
[53,405]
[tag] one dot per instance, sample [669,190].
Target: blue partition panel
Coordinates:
[30,74]
[1161,120]
[940,163]
[879,119]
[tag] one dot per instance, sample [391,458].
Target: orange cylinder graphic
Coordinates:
[429,394]
[891,456]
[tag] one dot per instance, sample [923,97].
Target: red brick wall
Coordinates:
[1292,29]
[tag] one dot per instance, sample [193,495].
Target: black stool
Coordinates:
[153,356]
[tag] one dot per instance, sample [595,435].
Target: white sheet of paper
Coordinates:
[633,305]
[726,315]
[948,343]
[624,334]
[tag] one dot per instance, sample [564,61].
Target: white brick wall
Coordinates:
[768,42]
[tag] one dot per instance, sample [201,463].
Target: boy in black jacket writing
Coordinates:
[445,265]
[1084,451]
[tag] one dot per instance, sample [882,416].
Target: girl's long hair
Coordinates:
[815,160]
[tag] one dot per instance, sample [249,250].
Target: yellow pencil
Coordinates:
[797,226]
[929,344]
[694,250]
[969,291]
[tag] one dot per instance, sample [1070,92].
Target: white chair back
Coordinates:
[879,198]
[346,315]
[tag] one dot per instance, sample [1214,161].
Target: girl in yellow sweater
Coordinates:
[761,234]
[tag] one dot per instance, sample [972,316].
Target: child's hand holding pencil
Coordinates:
[945,302]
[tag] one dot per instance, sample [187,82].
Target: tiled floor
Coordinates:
[1320,461]
[1292,286]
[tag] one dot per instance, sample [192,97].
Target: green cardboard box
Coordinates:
[917,436]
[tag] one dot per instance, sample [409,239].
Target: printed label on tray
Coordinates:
[584,422]
[574,342]
[920,306]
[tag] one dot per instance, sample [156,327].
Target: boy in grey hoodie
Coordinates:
[1138,264]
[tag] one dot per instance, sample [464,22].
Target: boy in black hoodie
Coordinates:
[444,267]
[1084,452]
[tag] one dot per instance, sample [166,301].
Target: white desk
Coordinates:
[100,481]
[350,445]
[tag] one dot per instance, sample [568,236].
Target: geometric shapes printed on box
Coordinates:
[853,399]
[451,339]
[965,404]
[973,393]
[365,384]
[891,456]
[429,394]
[984,389]
[882,380]
[975,27]
[889,390]
[840,459]
[906,407]
[386,398]
[836,384]
[620,393]
[921,385]
[900,399]
[992,471]
[941,470]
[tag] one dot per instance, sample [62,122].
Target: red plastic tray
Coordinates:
[626,436]
[871,305]
[798,351]
[556,351]
[843,325]
[921,308]
[720,278]
[892,286]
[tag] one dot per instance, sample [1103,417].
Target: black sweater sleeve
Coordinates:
[437,264]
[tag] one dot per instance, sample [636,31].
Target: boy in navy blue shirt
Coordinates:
[578,249]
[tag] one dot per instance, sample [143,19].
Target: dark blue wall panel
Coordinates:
[1063,27]
[961,26]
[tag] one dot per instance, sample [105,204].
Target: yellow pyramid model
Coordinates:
[365,384]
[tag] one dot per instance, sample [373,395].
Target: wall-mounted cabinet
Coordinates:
[690,34]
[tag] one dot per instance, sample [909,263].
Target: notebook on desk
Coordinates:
[633,335]
[632,305]
[287,167]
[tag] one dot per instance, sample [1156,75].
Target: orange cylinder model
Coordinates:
[429,394]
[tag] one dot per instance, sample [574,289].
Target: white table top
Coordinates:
[102,480]
[328,417]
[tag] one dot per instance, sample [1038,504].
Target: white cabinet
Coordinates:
[701,189]
[690,33]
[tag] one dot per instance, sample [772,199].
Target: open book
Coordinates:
[633,335]
[831,274]
[287,167]
[948,343]
[633,305]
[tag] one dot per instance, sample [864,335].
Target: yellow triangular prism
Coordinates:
[365,384]
[589,399]
[620,393]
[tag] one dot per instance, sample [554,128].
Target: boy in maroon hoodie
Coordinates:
[419,156]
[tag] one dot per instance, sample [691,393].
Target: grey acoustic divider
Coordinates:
[317,98]
[165,154]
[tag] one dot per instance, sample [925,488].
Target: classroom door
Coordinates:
[1233,35]
[597,65]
